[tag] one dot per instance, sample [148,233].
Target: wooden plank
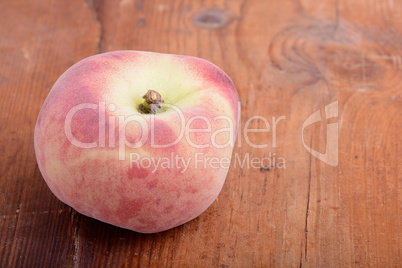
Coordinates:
[288,59]
[39,41]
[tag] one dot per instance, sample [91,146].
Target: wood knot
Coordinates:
[342,55]
[210,19]
[352,64]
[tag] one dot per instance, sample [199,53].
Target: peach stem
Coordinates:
[153,102]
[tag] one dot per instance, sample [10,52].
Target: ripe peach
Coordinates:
[99,153]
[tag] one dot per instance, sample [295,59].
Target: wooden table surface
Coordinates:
[288,59]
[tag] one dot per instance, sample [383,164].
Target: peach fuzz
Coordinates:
[98,175]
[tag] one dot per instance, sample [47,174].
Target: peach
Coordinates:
[102,155]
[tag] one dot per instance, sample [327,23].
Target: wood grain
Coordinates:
[286,58]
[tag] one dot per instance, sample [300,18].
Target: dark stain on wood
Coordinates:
[141,22]
[210,19]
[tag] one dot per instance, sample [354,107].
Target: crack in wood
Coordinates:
[301,259]
[307,209]
[96,16]
[75,235]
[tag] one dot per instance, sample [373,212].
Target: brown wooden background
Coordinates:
[286,58]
